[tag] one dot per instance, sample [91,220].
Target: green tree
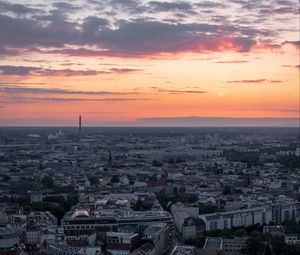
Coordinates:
[227,190]
[226,233]
[291,249]
[114,179]
[255,245]
[278,246]
[157,163]
[27,208]
[47,181]
[205,208]
[240,232]
[5,178]
[199,243]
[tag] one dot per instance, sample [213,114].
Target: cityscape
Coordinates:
[148,127]
[149,190]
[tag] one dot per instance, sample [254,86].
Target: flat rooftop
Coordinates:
[213,243]
[183,250]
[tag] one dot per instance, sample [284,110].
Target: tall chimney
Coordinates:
[79,124]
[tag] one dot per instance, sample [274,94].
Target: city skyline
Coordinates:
[149,63]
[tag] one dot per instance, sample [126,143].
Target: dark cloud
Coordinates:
[24,100]
[209,4]
[176,91]
[161,6]
[218,121]
[296,66]
[17,8]
[130,38]
[26,33]
[18,70]
[255,81]
[248,81]
[285,2]
[127,6]
[32,90]
[294,43]
[232,62]
[55,32]
[65,6]
[26,70]
[92,25]
[124,70]
[280,10]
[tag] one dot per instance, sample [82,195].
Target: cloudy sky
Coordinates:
[135,62]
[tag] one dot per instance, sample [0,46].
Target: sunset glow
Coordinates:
[127,62]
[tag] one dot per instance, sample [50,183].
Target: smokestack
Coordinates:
[79,124]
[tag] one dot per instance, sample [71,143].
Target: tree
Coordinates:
[227,190]
[142,205]
[206,208]
[27,208]
[157,163]
[199,243]
[240,232]
[278,246]
[292,249]
[47,181]
[255,245]
[5,178]
[114,179]
[226,233]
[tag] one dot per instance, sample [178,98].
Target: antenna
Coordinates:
[79,128]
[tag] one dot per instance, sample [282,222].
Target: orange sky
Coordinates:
[129,71]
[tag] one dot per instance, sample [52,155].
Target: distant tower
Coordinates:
[79,126]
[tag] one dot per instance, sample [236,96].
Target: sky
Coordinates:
[149,63]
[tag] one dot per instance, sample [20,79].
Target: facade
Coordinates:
[161,237]
[212,246]
[192,228]
[233,246]
[36,223]
[252,216]
[292,238]
[54,248]
[219,246]
[184,250]
[58,248]
[9,242]
[83,222]
[187,222]
[118,243]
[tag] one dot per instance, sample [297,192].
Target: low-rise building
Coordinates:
[118,243]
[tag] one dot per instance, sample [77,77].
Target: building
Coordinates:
[161,237]
[118,243]
[36,223]
[292,234]
[233,246]
[273,232]
[187,222]
[219,246]
[212,246]
[83,222]
[145,249]
[252,216]
[192,228]
[9,242]
[184,250]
